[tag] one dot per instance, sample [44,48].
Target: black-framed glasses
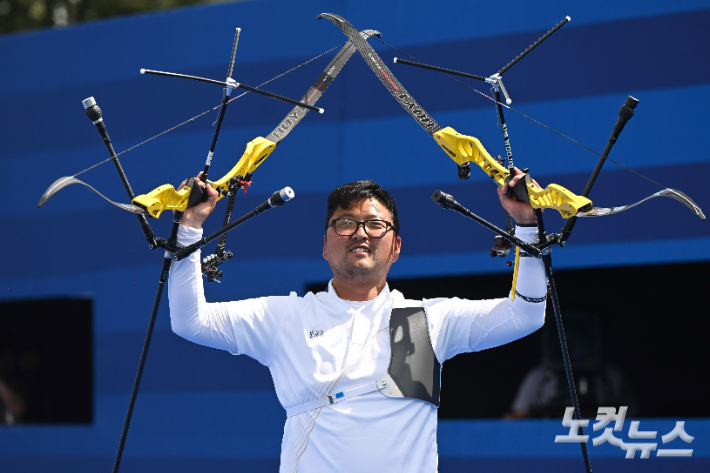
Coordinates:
[349,226]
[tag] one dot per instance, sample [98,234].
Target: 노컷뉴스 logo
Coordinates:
[607,414]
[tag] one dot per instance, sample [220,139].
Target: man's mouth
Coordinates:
[360,249]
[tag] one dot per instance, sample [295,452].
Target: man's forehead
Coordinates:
[368,207]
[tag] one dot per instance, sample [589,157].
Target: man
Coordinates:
[327,351]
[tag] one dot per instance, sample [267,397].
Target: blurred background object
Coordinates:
[23,15]
[46,367]
[544,391]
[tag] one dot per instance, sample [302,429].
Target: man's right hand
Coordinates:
[196,215]
[520,211]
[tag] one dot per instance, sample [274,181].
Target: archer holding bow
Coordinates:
[357,367]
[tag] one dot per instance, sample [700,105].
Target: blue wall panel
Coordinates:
[227,418]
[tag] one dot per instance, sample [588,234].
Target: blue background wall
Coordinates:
[201,409]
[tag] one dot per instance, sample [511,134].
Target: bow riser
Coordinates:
[465,149]
[166,197]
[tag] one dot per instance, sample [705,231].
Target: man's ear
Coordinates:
[325,240]
[396,249]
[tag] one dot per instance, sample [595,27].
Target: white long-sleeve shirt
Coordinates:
[320,344]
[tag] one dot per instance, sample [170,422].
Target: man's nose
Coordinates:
[360,231]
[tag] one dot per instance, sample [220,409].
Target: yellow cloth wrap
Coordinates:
[515,272]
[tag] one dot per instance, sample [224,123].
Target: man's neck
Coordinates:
[357,291]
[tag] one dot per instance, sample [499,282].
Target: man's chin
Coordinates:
[359,269]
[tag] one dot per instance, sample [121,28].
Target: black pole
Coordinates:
[440,69]
[534,45]
[235,84]
[504,128]
[498,249]
[94,113]
[168,257]
[164,272]
[497,74]
[234,187]
[447,201]
[222,109]
[234,52]
[210,154]
[547,261]
[625,113]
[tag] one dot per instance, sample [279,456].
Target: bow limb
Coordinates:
[52,189]
[460,148]
[672,193]
[63,182]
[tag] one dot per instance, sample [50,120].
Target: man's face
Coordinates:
[359,256]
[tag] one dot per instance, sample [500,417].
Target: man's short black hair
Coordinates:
[347,195]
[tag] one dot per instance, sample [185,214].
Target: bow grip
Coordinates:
[553,196]
[519,191]
[166,197]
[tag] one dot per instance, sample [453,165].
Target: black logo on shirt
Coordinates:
[315,333]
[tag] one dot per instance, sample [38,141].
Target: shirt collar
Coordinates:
[383,293]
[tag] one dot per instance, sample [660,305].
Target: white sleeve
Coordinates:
[460,325]
[510,320]
[191,316]
[241,327]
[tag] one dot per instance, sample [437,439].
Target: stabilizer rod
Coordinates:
[277,199]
